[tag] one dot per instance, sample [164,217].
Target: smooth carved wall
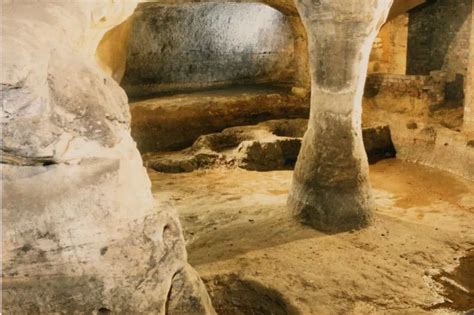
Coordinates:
[205,45]
[389,52]
[111,53]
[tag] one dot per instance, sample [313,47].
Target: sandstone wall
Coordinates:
[196,46]
[403,6]
[414,94]
[389,52]
[424,109]
[469,103]
[173,123]
[111,54]
[410,105]
[81,233]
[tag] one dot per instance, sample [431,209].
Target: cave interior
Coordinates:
[238,157]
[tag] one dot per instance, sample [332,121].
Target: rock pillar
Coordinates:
[80,231]
[330,186]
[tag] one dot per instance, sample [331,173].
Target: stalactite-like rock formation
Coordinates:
[330,186]
[81,233]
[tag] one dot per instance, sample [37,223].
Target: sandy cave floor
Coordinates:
[256,260]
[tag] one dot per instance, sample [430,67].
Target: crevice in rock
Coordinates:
[168,296]
[103,310]
[18,160]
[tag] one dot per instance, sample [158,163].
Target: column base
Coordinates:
[331,210]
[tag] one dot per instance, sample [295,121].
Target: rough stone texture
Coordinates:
[271,145]
[425,142]
[338,66]
[188,294]
[175,122]
[403,93]
[195,46]
[268,155]
[425,127]
[81,233]
[428,144]
[438,37]
[378,143]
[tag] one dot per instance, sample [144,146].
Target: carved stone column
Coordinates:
[330,186]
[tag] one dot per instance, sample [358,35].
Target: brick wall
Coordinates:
[416,86]
[438,37]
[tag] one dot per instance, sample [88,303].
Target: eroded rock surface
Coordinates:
[175,122]
[270,145]
[81,233]
[426,126]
